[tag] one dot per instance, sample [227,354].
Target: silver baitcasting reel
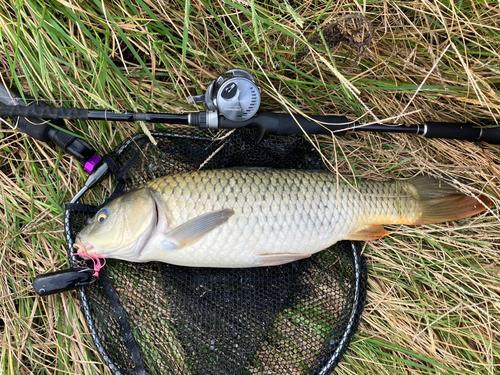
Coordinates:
[235,95]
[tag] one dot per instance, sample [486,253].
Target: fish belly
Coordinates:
[286,213]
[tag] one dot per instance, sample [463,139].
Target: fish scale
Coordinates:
[257,217]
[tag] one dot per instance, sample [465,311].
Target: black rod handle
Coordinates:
[39,111]
[286,124]
[34,127]
[297,124]
[33,121]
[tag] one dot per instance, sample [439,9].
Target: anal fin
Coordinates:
[369,233]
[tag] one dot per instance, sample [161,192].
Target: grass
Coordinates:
[433,300]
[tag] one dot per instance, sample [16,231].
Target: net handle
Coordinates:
[121,315]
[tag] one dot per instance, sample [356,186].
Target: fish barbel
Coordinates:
[257,217]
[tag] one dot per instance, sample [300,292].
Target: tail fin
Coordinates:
[442,202]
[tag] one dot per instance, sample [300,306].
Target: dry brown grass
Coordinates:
[433,301]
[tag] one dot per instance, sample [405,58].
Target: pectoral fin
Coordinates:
[264,260]
[193,230]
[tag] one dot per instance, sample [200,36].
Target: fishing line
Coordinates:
[9,124]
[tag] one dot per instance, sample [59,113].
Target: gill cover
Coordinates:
[122,226]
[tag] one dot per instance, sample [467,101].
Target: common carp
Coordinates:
[259,217]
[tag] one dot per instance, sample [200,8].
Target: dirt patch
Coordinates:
[353,30]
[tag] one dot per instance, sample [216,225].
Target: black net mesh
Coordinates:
[157,318]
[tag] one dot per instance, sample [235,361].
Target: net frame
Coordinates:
[122,162]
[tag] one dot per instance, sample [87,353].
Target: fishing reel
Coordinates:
[234,95]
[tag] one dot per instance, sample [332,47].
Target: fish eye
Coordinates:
[102,215]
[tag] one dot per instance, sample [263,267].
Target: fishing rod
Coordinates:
[233,101]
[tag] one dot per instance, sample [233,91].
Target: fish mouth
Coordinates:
[82,247]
